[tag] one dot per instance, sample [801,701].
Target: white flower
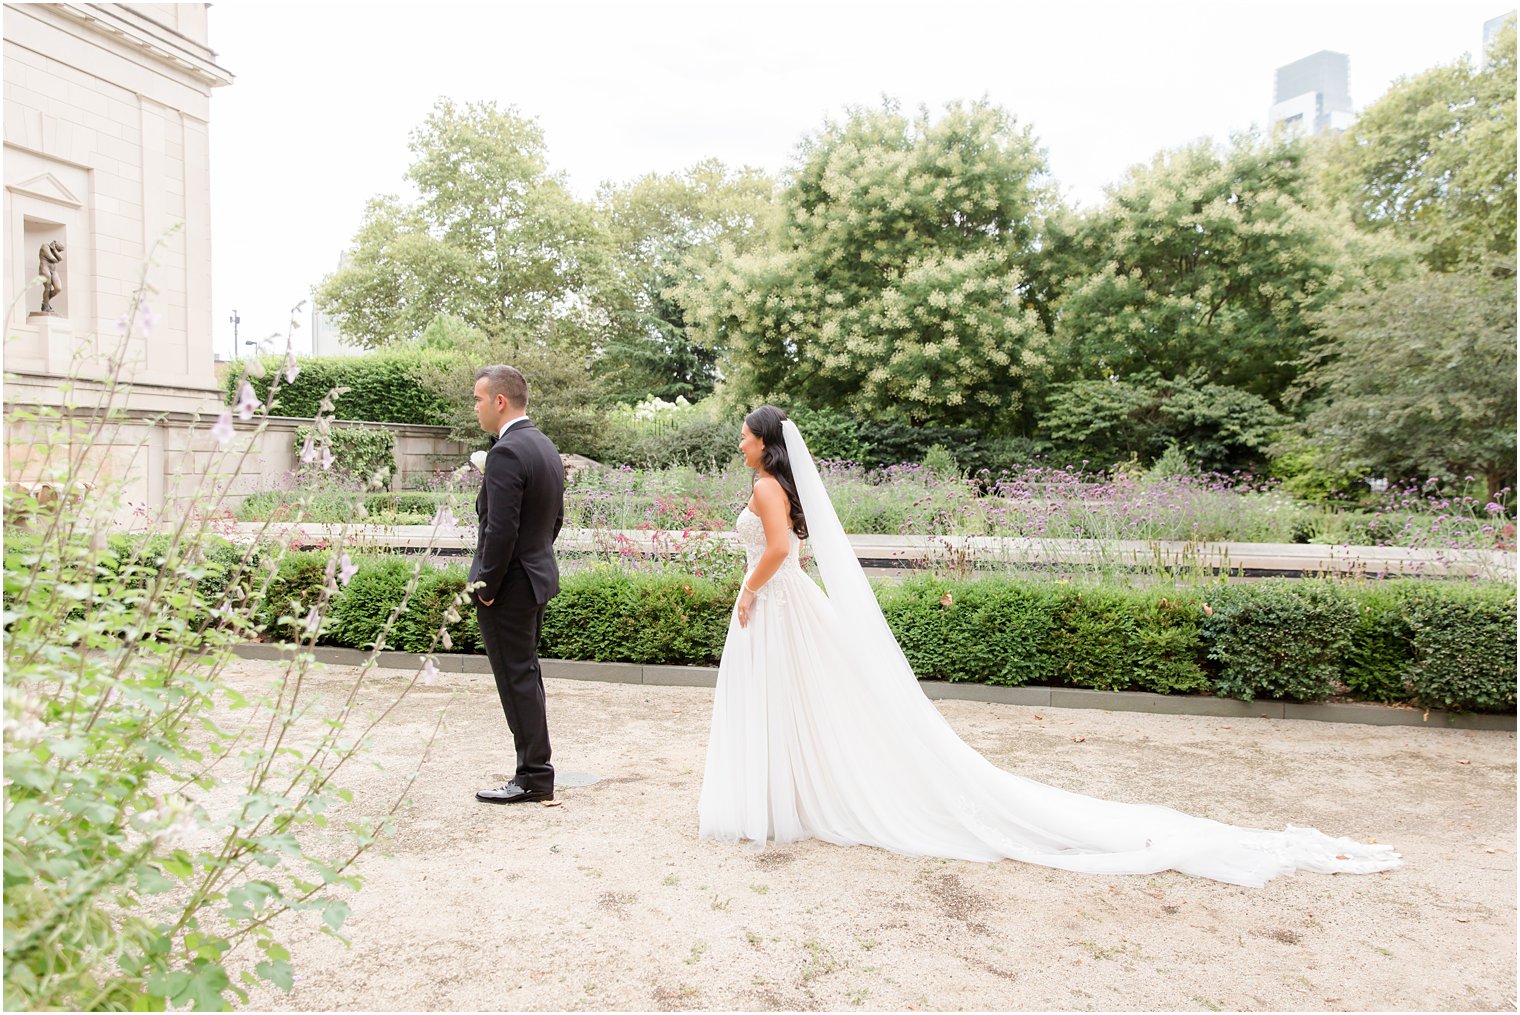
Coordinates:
[291,366]
[28,729]
[346,569]
[247,402]
[429,671]
[327,458]
[222,431]
[445,516]
[478,459]
[309,450]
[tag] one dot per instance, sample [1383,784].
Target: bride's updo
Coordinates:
[765,423]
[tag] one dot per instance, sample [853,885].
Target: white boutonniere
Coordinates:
[478,459]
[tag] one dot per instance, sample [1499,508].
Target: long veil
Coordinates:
[843,578]
[906,781]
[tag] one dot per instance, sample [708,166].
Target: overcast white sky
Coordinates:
[326,94]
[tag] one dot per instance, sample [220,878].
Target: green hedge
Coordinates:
[1431,644]
[383,386]
[359,451]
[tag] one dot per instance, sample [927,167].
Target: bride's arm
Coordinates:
[775,515]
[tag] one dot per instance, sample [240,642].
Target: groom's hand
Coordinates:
[485,602]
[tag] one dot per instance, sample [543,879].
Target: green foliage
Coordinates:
[940,460]
[1206,260]
[358,451]
[1441,645]
[697,441]
[297,585]
[1278,638]
[1102,421]
[1378,660]
[562,394]
[157,819]
[1434,160]
[1222,428]
[1301,465]
[897,283]
[831,436]
[433,605]
[359,612]
[667,232]
[1418,379]
[993,631]
[1463,645]
[495,239]
[609,614]
[1216,427]
[382,387]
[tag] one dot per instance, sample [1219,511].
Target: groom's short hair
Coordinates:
[508,381]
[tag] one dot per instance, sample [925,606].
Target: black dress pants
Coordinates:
[510,628]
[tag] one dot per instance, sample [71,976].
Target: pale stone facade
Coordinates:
[107,149]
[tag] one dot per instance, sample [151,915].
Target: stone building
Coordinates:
[107,153]
[107,150]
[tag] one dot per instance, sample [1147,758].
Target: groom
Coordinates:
[521,507]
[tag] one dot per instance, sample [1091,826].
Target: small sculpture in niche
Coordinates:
[49,259]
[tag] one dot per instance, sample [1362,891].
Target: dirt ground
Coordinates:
[611,901]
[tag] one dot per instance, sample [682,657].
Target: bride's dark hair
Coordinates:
[765,423]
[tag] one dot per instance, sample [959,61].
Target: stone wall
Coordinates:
[161,462]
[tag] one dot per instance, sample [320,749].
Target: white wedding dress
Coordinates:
[820,730]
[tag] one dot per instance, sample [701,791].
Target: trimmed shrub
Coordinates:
[435,593]
[384,386]
[612,615]
[1443,645]
[360,611]
[359,451]
[292,592]
[1169,634]
[1463,642]
[1377,663]
[993,631]
[1279,639]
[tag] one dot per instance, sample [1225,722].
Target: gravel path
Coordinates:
[610,901]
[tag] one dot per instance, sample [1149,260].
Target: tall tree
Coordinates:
[494,239]
[1434,159]
[666,233]
[1207,259]
[1419,379]
[895,283]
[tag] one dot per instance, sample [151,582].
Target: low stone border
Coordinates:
[1045,697]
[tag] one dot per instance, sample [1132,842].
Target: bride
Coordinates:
[820,729]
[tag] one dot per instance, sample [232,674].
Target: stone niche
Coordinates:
[36,234]
[47,200]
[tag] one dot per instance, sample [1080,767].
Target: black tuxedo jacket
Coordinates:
[521,506]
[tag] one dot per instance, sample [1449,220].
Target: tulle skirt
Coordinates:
[807,742]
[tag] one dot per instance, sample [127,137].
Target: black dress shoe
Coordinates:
[512,793]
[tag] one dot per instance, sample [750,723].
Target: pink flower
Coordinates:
[147,318]
[291,366]
[429,671]
[222,431]
[346,569]
[247,402]
[309,450]
[327,458]
[445,516]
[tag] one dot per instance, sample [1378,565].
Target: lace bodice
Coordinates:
[751,532]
